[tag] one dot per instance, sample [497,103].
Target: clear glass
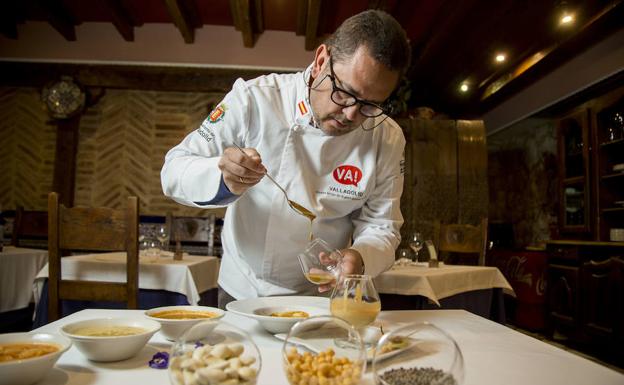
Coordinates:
[227,349]
[320,263]
[416,243]
[162,234]
[355,300]
[312,340]
[404,257]
[418,350]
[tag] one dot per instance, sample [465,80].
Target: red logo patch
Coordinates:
[217,114]
[346,174]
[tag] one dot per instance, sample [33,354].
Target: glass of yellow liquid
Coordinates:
[320,263]
[355,300]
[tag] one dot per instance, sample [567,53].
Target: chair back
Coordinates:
[30,228]
[462,239]
[92,229]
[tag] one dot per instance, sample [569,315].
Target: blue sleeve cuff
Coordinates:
[223,197]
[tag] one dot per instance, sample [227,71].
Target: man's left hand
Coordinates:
[352,263]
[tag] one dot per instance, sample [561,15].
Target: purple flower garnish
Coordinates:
[159,361]
[198,344]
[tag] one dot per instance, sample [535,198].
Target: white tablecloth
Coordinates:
[190,276]
[440,282]
[493,354]
[18,268]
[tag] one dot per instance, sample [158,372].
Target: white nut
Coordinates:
[174,364]
[231,373]
[188,377]
[236,349]
[230,381]
[190,364]
[247,360]
[220,364]
[247,373]
[221,351]
[211,375]
[199,380]
[198,353]
[235,363]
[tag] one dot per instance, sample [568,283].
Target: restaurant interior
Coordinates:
[513,194]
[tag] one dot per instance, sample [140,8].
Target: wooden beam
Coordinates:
[302,16]
[181,20]
[245,18]
[258,17]
[59,17]
[235,16]
[312,22]
[121,20]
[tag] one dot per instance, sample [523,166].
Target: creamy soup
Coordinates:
[290,314]
[12,352]
[183,314]
[108,331]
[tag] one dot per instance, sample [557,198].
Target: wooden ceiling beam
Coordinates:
[181,19]
[243,20]
[312,22]
[59,17]
[302,16]
[258,17]
[121,19]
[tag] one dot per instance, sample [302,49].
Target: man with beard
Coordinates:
[324,135]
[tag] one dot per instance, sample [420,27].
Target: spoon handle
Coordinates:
[266,173]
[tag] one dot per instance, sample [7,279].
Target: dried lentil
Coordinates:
[418,376]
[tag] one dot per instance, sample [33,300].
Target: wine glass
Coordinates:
[355,300]
[405,257]
[320,263]
[162,234]
[416,243]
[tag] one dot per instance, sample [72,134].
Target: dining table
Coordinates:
[493,354]
[416,285]
[18,268]
[163,280]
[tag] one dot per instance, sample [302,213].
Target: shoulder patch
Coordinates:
[217,114]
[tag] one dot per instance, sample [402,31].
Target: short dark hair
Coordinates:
[379,32]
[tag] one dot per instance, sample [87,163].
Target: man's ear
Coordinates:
[321,57]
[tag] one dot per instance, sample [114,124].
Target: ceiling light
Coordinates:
[464,87]
[567,18]
[500,58]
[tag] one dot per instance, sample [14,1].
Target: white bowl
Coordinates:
[30,370]
[172,329]
[261,308]
[107,349]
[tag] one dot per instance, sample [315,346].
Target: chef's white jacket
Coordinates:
[352,183]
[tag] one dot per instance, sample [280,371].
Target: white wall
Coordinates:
[598,62]
[157,44]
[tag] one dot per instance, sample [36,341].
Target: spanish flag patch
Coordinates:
[302,108]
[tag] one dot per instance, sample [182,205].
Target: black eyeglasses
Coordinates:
[346,99]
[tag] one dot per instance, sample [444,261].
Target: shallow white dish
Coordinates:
[108,349]
[30,370]
[172,329]
[260,308]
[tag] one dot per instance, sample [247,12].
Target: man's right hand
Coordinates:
[241,172]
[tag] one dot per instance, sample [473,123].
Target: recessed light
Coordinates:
[567,18]
[500,57]
[464,87]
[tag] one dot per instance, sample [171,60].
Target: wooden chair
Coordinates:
[462,239]
[92,229]
[30,228]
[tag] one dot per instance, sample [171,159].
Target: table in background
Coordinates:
[478,289]
[18,268]
[163,281]
[493,354]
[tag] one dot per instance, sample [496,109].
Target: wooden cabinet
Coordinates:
[590,141]
[586,291]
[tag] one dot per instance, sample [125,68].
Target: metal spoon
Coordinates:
[299,209]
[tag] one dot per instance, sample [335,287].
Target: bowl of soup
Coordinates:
[175,320]
[110,339]
[26,358]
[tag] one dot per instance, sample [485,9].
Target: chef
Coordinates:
[322,134]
